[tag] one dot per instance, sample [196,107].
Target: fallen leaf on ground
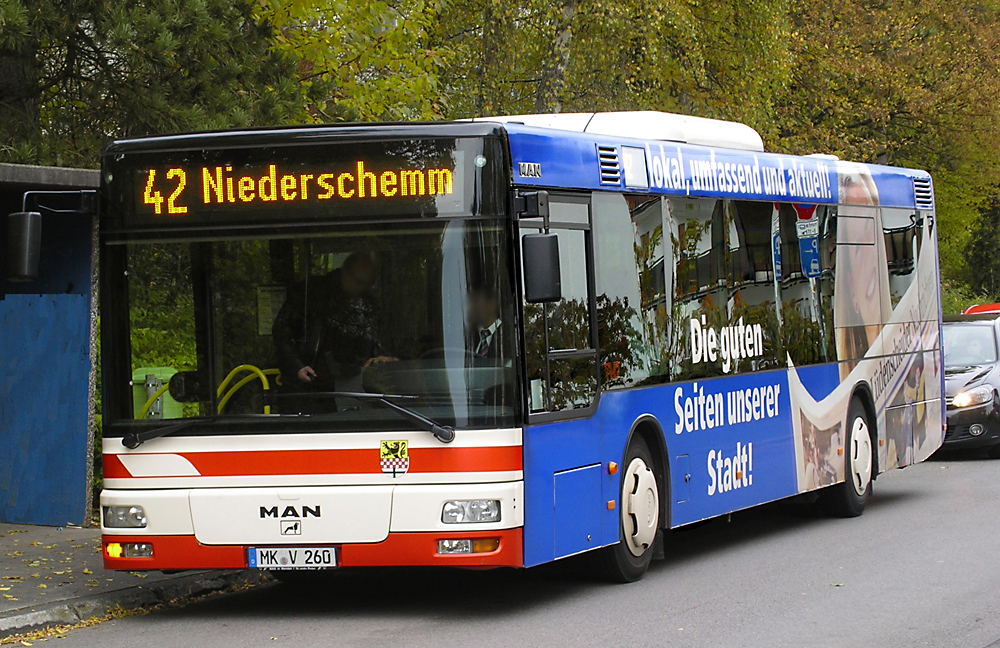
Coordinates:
[8,596]
[87,571]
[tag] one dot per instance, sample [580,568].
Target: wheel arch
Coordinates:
[650,430]
[863,392]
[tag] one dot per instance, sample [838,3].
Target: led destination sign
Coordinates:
[180,190]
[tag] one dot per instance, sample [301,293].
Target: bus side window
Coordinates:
[861,294]
[561,359]
[753,288]
[625,266]
[697,253]
[902,238]
[804,331]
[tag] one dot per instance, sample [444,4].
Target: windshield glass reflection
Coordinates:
[412,310]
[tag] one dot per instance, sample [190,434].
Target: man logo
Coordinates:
[290,512]
[291,527]
[529,169]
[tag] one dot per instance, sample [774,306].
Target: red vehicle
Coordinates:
[982,308]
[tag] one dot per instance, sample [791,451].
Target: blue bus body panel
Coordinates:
[570,160]
[752,461]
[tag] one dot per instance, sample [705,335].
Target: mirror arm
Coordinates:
[533,204]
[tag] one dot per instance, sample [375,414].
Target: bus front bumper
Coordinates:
[397,550]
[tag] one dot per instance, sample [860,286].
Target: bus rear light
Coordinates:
[470,511]
[475,545]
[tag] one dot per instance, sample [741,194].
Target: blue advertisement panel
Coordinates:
[551,158]
[735,431]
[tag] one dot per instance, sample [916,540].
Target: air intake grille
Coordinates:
[611,169]
[923,193]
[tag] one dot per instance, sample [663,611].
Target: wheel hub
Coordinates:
[860,455]
[640,506]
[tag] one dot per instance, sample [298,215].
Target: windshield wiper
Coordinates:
[135,439]
[443,433]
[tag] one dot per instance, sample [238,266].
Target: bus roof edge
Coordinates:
[647,124]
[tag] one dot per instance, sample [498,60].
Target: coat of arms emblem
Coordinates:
[394,457]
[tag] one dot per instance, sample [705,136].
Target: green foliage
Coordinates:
[983,251]
[362,61]
[161,307]
[535,56]
[75,74]
[956,297]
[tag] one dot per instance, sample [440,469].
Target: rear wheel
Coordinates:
[639,520]
[848,499]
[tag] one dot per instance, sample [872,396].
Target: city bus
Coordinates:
[499,342]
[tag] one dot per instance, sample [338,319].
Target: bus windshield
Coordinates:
[287,326]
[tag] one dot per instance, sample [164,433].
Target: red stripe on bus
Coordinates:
[113,468]
[337,462]
[399,549]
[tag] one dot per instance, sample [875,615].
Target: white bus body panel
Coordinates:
[648,125]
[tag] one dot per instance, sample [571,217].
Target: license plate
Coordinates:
[292,558]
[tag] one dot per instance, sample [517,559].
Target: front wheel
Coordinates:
[848,499]
[639,519]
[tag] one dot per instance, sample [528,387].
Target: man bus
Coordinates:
[574,333]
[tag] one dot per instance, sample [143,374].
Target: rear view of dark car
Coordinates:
[972,382]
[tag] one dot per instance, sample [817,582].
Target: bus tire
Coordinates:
[638,520]
[848,498]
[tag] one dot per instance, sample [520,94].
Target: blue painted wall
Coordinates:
[45,370]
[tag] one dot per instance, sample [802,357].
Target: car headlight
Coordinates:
[124,517]
[470,511]
[974,396]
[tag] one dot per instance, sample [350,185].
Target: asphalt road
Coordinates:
[921,567]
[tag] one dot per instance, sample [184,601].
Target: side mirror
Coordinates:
[24,244]
[542,281]
[189,387]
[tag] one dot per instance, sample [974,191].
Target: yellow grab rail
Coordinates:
[255,373]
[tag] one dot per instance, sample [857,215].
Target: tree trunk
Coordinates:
[549,96]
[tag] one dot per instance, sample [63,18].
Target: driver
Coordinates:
[324,332]
[484,323]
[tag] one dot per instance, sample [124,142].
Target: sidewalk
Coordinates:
[56,575]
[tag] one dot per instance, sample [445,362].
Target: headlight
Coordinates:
[470,511]
[974,396]
[124,517]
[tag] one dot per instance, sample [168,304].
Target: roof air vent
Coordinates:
[611,170]
[923,193]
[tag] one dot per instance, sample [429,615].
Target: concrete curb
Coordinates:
[78,609]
